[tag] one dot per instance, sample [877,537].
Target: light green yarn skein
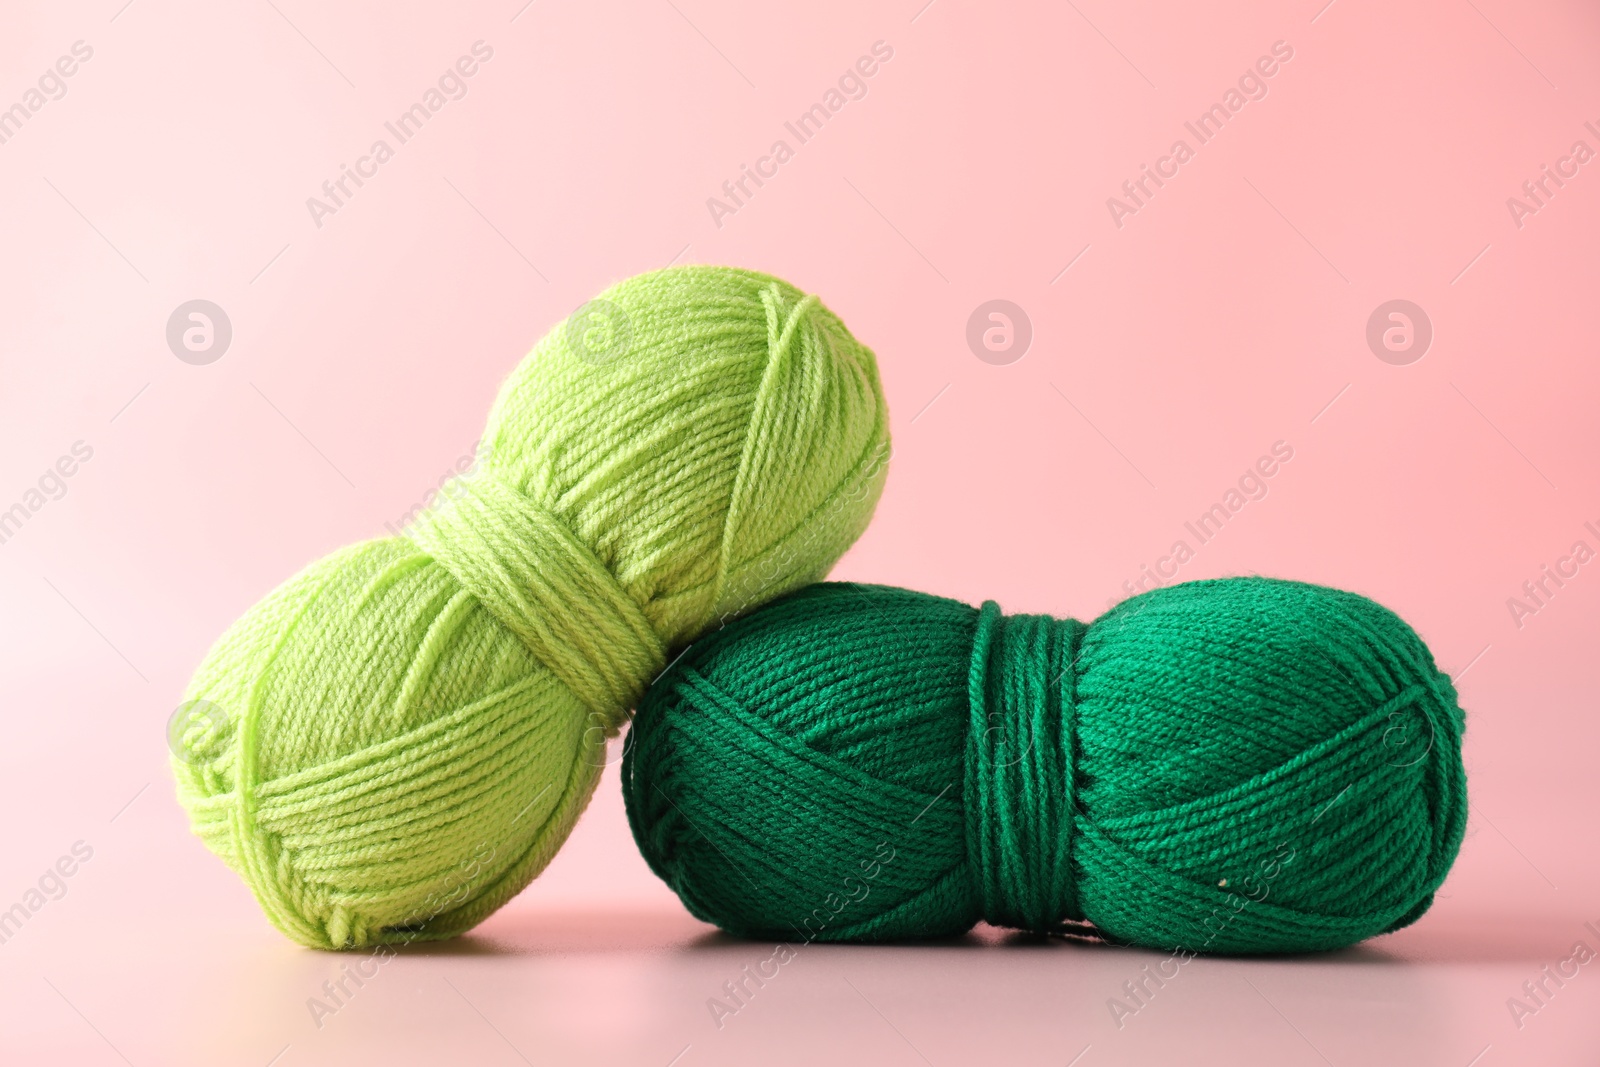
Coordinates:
[397,740]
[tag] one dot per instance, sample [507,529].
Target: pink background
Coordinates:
[1227,314]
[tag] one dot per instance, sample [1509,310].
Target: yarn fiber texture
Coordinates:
[397,740]
[1244,765]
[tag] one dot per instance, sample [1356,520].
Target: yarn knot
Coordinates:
[534,574]
[1020,797]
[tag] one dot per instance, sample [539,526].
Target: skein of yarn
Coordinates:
[397,740]
[1243,765]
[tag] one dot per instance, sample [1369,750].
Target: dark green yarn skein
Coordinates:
[1244,765]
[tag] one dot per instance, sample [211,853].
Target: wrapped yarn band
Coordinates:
[546,586]
[1020,801]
